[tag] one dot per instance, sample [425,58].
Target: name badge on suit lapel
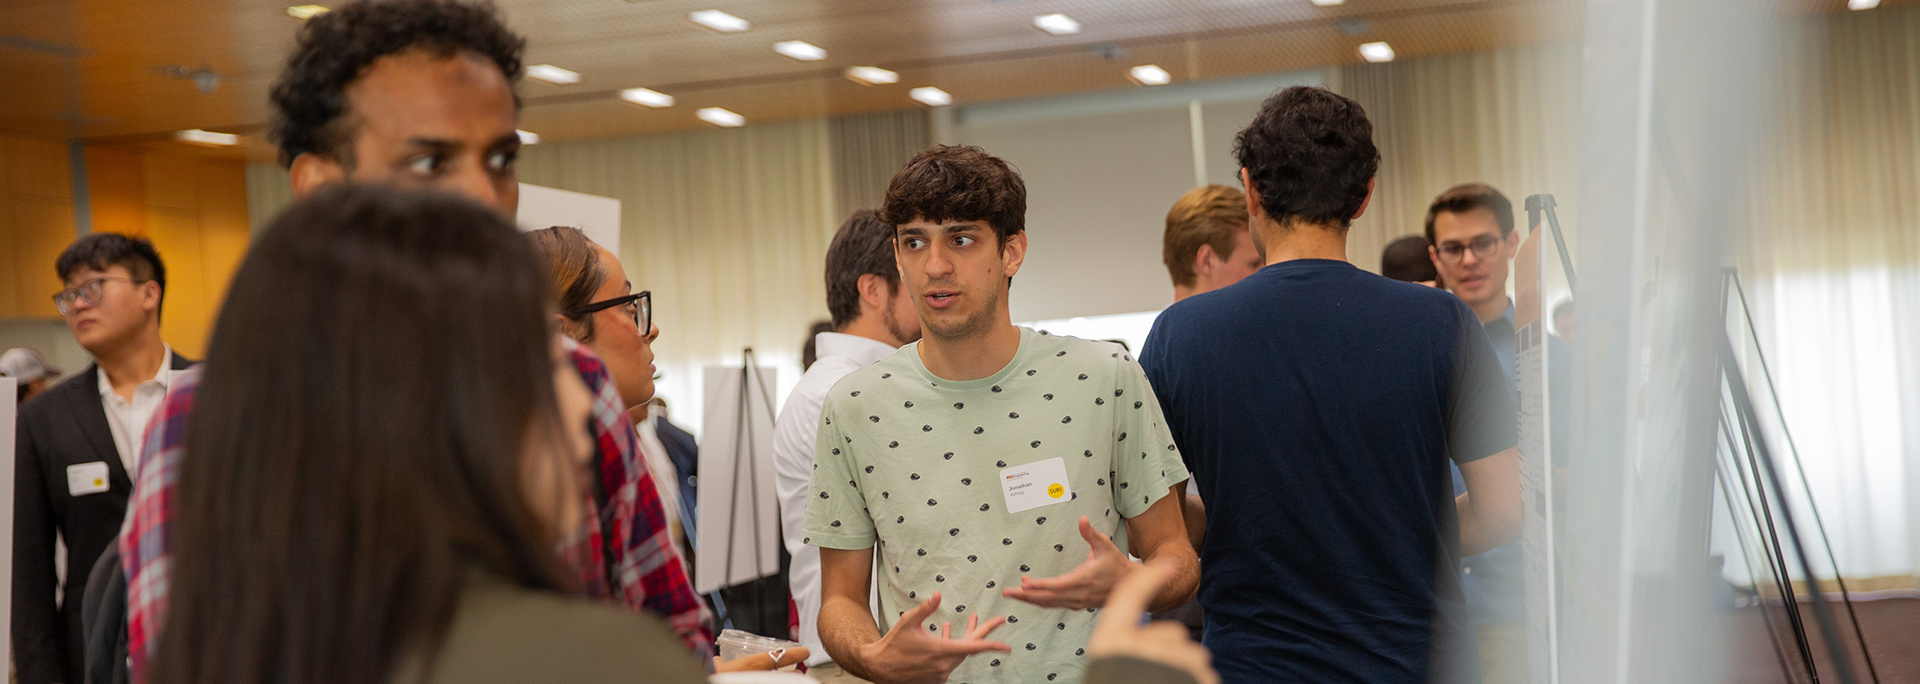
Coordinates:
[87,478]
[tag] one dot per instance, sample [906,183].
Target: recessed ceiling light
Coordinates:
[721,117]
[1149,74]
[305,12]
[647,96]
[1057,24]
[1857,5]
[1328,3]
[931,96]
[553,74]
[208,138]
[1376,52]
[719,21]
[528,137]
[800,50]
[867,75]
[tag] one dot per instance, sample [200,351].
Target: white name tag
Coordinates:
[87,478]
[1041,483]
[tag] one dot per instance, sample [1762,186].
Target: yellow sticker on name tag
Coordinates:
[87,478]
[1041,483]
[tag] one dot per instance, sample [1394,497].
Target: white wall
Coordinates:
[49,337]
[1101,171]
[598,217]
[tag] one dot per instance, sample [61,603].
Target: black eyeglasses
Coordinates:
[1483,248]
[640,304]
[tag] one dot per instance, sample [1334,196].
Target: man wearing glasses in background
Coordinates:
[1470,229]
[79,443]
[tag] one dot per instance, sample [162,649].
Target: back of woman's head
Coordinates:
[355,448]
[574,265]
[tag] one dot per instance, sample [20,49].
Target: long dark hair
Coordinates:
[356,443]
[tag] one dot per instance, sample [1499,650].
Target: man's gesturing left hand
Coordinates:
[1087,585]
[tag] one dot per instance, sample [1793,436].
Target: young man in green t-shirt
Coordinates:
[968,458]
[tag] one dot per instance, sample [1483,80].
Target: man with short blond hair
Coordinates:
[1208,245]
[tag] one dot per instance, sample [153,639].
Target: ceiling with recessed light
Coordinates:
[121,70]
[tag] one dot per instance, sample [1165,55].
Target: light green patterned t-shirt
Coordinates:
[920,465]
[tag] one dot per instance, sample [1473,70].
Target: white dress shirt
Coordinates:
[665,477]
[793,436]
[128,418]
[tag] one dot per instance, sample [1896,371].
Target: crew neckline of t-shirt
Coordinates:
[1026,340]
[1292,264]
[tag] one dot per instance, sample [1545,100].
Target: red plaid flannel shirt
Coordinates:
[648,570]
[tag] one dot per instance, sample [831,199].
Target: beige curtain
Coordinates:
[868,149]
[1834,268]
[1508,117]
[1832,261]
[728,228]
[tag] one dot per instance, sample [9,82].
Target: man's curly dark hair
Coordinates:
[1310,154]
[959,183]
[334,49]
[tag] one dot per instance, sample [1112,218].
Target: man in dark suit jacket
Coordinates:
[685,454]
[77,442]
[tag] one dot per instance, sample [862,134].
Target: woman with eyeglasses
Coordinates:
[598,308]
[382,461]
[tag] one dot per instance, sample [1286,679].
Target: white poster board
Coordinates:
[1536,462]
[739,510]
[9,412]
[544,207]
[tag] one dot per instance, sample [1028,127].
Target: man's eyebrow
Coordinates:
[434,143]
[508,140]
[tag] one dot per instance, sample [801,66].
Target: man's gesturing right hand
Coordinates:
[909,654]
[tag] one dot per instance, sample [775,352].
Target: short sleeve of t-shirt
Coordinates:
[1485,416]
[836,508]
[1146,462]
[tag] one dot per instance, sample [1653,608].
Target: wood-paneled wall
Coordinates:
[193,208]
[36,222]
[195,211]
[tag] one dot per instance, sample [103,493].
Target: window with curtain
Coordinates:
[1834,270]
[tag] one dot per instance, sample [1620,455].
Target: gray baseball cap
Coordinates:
[26,365]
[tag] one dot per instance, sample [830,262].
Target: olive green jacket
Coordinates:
[504,634]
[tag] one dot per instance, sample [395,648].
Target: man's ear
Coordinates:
[1014,253]
[1253,196]
[873,291]
[1203,259]
[311,171]
[1367,201]
[150,296]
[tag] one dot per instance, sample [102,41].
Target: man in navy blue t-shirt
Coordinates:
[1317,406]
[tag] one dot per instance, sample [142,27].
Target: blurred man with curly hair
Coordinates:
[420,94]
[416,94]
